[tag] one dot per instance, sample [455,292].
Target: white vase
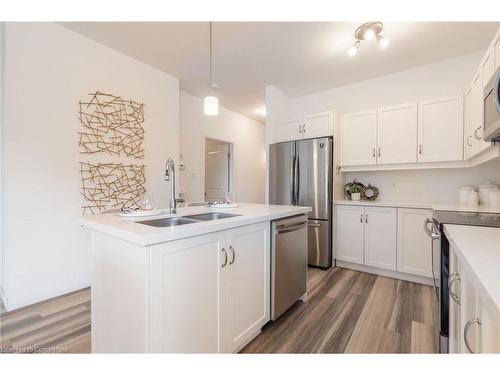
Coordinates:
[355,196]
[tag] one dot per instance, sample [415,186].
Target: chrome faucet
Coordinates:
[170,176]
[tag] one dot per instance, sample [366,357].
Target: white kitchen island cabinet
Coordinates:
[196,288]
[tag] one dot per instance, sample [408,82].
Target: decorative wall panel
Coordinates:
[111,185]
[112,125]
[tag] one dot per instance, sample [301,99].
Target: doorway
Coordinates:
[218,169]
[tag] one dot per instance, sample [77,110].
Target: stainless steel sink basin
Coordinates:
[211,216]
[168,222]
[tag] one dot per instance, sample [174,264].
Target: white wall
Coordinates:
[443,78]
[247,137]
[48,69]
[432,185]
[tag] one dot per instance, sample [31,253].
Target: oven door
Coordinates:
[491,109]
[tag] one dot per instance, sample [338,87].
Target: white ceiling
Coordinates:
[298,57]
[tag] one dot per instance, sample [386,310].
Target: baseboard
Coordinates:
[387,273]
[11,304]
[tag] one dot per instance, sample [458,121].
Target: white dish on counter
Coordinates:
[140,213]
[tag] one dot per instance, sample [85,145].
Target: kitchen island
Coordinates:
[200,286]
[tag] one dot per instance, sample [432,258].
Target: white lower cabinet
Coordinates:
[187,295]
[248,287]
[350,233]
[210,294]
[414,246]
[388,239]
[380,237]
[474,326]
[367,235]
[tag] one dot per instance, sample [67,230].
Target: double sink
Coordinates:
[188,219]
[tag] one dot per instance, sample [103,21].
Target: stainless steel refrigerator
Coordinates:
[300,173]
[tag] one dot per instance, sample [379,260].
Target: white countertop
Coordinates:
[478,250]
[423,205]
[129,230]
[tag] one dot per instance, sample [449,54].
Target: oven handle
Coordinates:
[433,235]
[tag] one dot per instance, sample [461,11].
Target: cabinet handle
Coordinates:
[466,333]
[361,218]
[379,152]
[467,141]
[233,254]
[374,155]
[475,133]
[455,276]
[225,258]
[303,128]
[300,128]
[420,149]
[366,218]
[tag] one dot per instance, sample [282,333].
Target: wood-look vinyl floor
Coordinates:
[354,312]
[346,311]
[58,325]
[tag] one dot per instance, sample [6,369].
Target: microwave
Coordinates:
[491,109]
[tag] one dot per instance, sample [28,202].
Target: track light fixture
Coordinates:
[368,31]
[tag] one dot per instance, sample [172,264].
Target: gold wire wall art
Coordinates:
[112,126]
[111,185]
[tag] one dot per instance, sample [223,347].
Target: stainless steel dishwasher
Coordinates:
[288,263]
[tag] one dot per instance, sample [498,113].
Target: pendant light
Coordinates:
[211,102]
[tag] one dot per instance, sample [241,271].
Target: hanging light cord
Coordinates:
[211,70]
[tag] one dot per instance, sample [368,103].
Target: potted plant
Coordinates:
[355,193]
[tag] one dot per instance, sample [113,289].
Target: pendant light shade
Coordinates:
[211,105]
[211,102]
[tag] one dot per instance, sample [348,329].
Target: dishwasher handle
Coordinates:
[292,228]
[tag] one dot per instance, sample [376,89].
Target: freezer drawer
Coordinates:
[288,263]
[319,247]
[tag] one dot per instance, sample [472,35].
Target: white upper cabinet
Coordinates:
[414,246]
[350,233]
[317,125]
[380,237]
[397,134]
[359,138]
[287,130]
[488,65]
[496,50]
[311,126]
[440,129]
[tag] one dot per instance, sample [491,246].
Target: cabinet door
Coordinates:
[248,285]
[359,138]
[469,106]
[187,299]
[414,246]
[318,125]
[469,313]
[488,65]
[350,233]
[287,130]
[397,134]
[490,330]
[454,323]
[440,129]
[380,237]
[496,49]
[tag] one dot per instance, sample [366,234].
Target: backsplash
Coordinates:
[431,185]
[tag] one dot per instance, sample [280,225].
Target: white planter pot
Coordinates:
[355,196]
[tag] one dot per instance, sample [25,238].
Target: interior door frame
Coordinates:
[232,158]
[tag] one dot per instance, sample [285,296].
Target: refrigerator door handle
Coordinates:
[297,179]
[292,181]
